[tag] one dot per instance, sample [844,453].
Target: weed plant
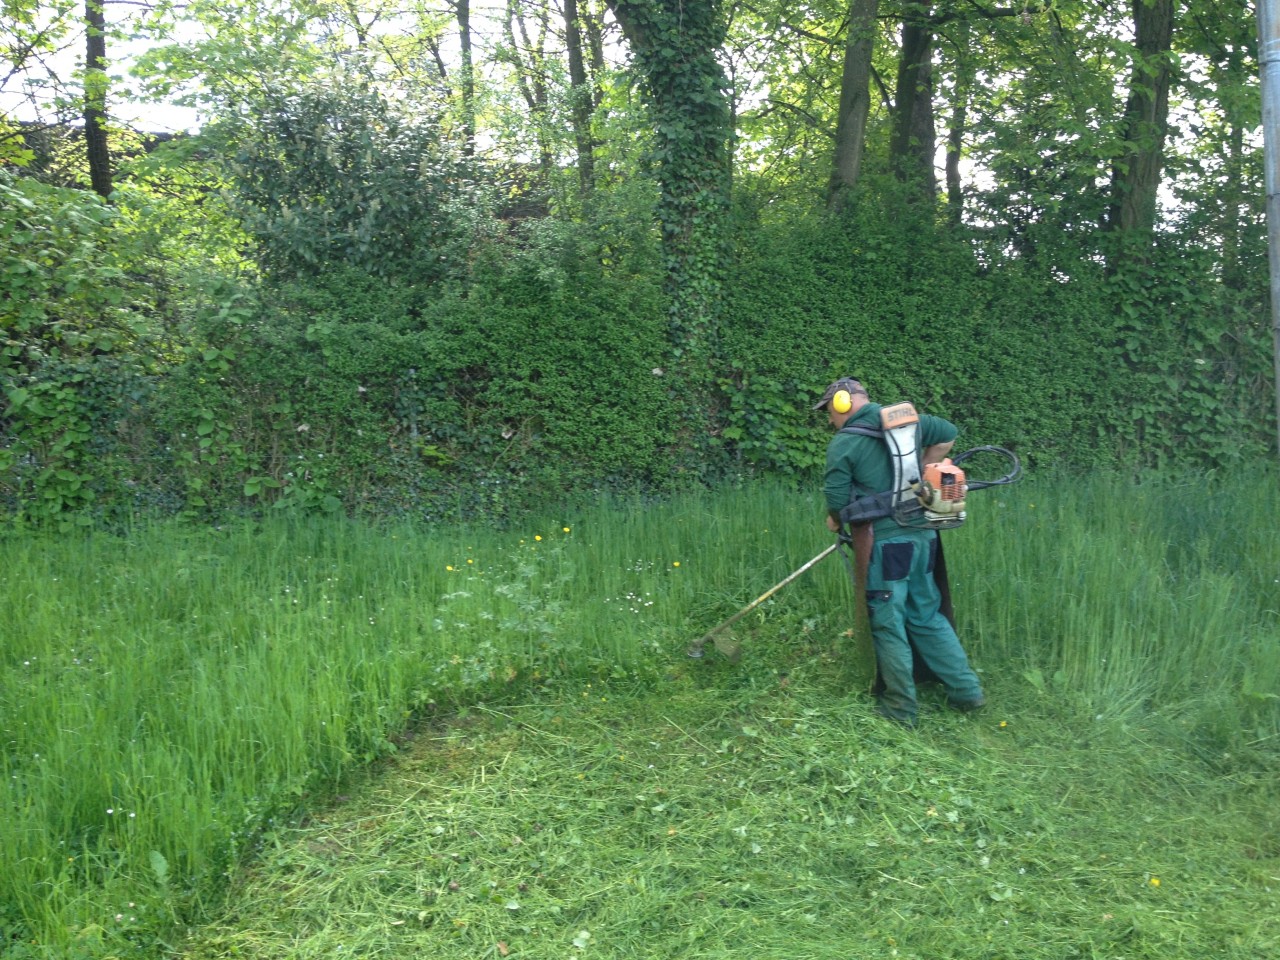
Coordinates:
[173,697]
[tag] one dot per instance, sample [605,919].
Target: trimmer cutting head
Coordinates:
[725,645]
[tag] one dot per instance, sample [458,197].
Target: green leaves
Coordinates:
[256,485]
[768,430]
[338,174]
[17,396]
[159,868]
[69,338]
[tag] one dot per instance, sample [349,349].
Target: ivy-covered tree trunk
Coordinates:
[855,99]
[1135,178]
[674,43]
[95,98]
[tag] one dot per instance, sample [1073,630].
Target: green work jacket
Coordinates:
[858,466]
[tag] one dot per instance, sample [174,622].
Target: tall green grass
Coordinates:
[1117,597]
[169,693]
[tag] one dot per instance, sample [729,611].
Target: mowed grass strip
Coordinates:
[776,818]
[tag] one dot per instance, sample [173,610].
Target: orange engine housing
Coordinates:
[946,479]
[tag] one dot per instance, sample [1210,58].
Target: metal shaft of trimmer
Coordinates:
[695,649]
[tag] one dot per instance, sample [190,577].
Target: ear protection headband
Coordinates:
[842,401]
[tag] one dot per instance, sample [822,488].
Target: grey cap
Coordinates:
[844,383]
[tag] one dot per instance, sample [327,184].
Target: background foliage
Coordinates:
[541,365]
[596,252]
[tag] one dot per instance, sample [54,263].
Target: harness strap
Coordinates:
[872,506]
[863,431]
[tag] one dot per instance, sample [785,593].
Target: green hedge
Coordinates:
[430,401]
[541,371]
[1158,365]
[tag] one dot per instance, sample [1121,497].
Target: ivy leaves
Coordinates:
[675,46]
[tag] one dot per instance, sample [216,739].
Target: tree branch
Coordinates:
[813,121]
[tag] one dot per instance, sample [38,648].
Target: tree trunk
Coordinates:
[95,98]
[956,127]
[955,144]
[467,80]
[580,99]
[855,100]
[593,26]
[529,60]
[675,44]
[913,141]
[1234,274]
[1135,177]
[1235,208]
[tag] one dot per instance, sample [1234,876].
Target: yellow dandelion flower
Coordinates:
[538,537]
[1155,881]
[449,567]
[1003,724]
[469,560]
[565,529]
[675,563]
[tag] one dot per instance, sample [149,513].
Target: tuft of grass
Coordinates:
[1124,599]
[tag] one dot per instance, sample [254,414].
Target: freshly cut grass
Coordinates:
[772,821]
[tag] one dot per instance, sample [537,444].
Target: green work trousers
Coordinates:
[903,604]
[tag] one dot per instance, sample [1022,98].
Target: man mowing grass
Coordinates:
[871,462]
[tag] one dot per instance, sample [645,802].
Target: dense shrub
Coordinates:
[431,399]
[539,367]
[338,174]
[77,338]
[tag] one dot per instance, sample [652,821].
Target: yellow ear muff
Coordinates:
[842,402]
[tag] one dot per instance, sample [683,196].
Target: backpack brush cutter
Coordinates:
[934,498]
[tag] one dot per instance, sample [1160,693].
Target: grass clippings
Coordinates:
[774,820]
